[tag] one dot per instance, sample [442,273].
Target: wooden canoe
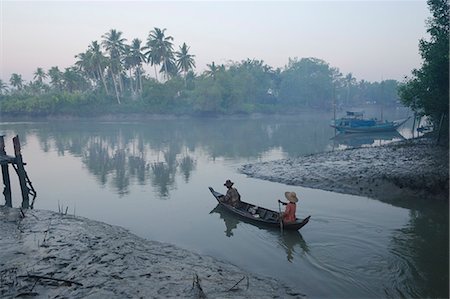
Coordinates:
[259,215]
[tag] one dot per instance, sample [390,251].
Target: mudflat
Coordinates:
[50,255]
[415,168]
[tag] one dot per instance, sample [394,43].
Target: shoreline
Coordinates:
[416,168]
[48,254]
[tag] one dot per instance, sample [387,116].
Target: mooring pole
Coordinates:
[5,174]
[21,173]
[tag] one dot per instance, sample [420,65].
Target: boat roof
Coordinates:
[355,113]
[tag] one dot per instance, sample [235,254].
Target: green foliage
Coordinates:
[109,78]
[307,83]
[427,92]
[79,104]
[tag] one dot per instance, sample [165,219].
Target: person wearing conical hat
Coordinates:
[232,197]
[291,206]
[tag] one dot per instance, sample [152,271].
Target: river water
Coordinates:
[152,178]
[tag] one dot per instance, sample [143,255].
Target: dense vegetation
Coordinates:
[427,92]
[109,78]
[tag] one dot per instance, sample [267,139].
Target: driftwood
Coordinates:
[238,283]
[51,278]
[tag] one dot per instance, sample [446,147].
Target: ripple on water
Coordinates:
[356,256]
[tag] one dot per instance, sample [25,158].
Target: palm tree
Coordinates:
[151,57]
[3,87]
[99,62]
[56,77]
[85,66]
[134,59]
[160,48]
[185,61]
[16,81]
[115,45]
[169,67]
[40,75]
[212,70]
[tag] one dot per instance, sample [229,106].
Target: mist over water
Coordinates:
[152,178]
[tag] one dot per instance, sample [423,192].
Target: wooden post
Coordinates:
[21,173]
[5,174]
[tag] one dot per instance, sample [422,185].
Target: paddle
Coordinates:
[281,218]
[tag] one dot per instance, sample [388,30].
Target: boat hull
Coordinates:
[353,127]
[259,215]
[366,129]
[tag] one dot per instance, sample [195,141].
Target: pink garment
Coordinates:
[289,214]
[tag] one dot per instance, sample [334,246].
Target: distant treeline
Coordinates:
[109,78]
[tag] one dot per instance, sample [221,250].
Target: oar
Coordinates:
[281,218]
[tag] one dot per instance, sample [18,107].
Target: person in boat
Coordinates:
[232,197]
[291,207]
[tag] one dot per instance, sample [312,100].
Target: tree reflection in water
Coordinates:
[187,165]
[122,154]
[162,178]
[423,245]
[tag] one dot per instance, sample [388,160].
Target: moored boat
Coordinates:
[259,215]
[354,122]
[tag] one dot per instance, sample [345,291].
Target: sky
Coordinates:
[373,40]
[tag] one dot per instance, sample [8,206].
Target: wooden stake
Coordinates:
[21,173]
[5,174]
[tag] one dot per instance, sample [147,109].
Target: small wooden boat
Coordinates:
[259,215]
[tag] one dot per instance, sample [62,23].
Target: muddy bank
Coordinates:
[49,255]
[413,168]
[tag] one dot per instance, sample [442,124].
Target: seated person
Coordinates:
[232,197]
[289,214]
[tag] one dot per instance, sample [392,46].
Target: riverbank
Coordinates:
[47,255]
[413,168]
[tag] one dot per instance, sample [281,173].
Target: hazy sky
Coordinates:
[373,40]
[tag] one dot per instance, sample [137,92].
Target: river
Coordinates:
[152,177]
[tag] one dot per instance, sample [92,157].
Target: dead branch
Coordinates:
[238,283]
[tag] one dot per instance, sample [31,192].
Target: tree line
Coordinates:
[109,77]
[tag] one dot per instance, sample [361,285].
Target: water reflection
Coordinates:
[342,141]
[411,255]
[288,240]
[421,252]
[187,165]
[230,221]
[156,151]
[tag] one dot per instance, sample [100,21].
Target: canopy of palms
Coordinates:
[134,57]
[99,62]
[160,49]
[114,44]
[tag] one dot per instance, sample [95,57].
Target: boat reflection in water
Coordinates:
[289,240]
[343,140]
